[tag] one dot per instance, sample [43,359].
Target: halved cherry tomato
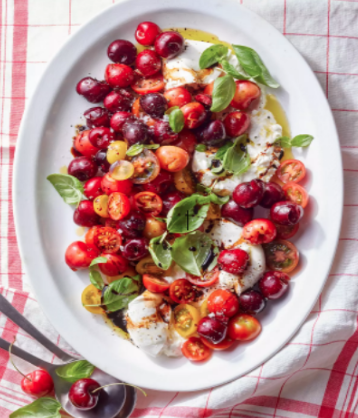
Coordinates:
[146,167]
[291,170]
[281,255]
[147,266]
[204,311]
[286,231]
[296,193]
[79,255]
[104,238]
[148,202]
[110,185]
[195,350]
[182,291]
[184,181]
[116,264]
[244,327]
[100,205]
[226,343]
[186,319]
[138,111]
[153,228]
[149,85]
[208,279]
[223,303]
[178,96]
[194,114]
[259,231]
[119,206]
[92,296]
[155,284]
[246,95]
[172,158]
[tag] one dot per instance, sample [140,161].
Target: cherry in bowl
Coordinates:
[83,394]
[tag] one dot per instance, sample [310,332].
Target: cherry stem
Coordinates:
[10,354]
[118,384]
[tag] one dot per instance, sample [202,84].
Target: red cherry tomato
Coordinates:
[37,383]
[160,184]
[149,203]
[79,255]
[119,75]
[172,158]
[119,206]
[83,145]
[148,85]
[296,194]
[110,185]
[116,264]
[244,327]
[223,303]
[236,123]
[195,350]
[194,114]
[259,231]
[286,231]
[246,95]
[223,345]
[155,284]
[104,238]
[281,255]
[182,291]
[92,188]
[208,279]
[186,141]
[178,96]
[291,170]
[146,33]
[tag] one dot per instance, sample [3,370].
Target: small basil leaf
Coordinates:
[252,64]
[151,146]
[231,70]
[202,189]
[136,278]
[176,120]
[96,279]
[237,159]
[220,153]
[135,150]
[212,55]
[201,148]
[41,408]
[160,219]
[76,370]
[219,200]
[120,292]
[303,140]
[223,93]
[171,109]
[160,252]
[68,187]
[190,251]
[284,142]
[98,260]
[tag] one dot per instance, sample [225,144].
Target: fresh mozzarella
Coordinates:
[174,273]
[174,343]
[224,233]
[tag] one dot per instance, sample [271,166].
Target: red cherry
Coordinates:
[81,394]
[169,44]
[233,261]
[146,33]
[92,188]
[37,383]
[148,63]
[119,75]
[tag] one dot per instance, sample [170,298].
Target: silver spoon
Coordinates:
[114,402]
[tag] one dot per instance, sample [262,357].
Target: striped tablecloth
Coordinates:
[315,374]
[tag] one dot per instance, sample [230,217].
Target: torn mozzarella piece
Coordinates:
[174,273]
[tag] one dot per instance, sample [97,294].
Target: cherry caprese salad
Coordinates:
[166,176]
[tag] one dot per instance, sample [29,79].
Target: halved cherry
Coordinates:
[148,85]
[155,284]
[259,231]
[296,193]
[104,238]
[223,345]
[281,255]
[148,202]
[208,279]
[291,170]
[182,291]
[195,350]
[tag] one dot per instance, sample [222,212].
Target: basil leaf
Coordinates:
[96,279]
[202,189]
[303,140]
[41,408]
[76,370]
[120,292]
[98,260]
[223,93]
[252,64]
[161,252]
[151,146]
[138,148]
[237,159]
[212,55]
[68,187]
[171,109]
[160,219]
[231,70]
[216,166]
[190,251]
[201,148]
[220,153]
[186,216]
[176,120]
[136,278]
[219,200]
[284,142]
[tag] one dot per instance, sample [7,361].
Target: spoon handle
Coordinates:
[5,345]
[7,309]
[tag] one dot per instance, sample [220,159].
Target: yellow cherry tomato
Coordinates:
[186,319]
[121,170]
[100,205]
[147,266]
[130,272]
[154,228]
[204,311]
[184,182]
[92,296]
[116,151]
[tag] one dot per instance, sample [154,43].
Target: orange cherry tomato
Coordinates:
[243,327]
[182,291]
[104,238]
[194,114]
[296,193]
[119,206]
[148,85]
[172,158]
[223,303]
[291,170]
[138,112]
[281,255]
[226,343]
[155,284]
[246,95]
[209,88]
[208,279]
[286,231]
[148,202]
[195,350]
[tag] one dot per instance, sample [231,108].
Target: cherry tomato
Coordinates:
[139,113]
[116,264]
[204,311]
[148,202]
[209,89]
[79,255]
[172,158]
[281,255]
[100,205]
[195,350]
[119,206]
[186,141]
[110,185]
[160,184]
[104,238]
[182,291]
[37,383]
[92,188]
[244,327]
[92,296]
[83,144]
[296,193]
[291,170]
[146,33]
[208,279]
[178,96]
[146,167]
[147,266]
[154,228]
[246,95]
[186,319]
[148,85]
[223,345]
[194,114]
[155,284]
[259,231]
[223,303]
[286,231]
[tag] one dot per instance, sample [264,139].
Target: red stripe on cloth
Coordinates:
[353,393]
